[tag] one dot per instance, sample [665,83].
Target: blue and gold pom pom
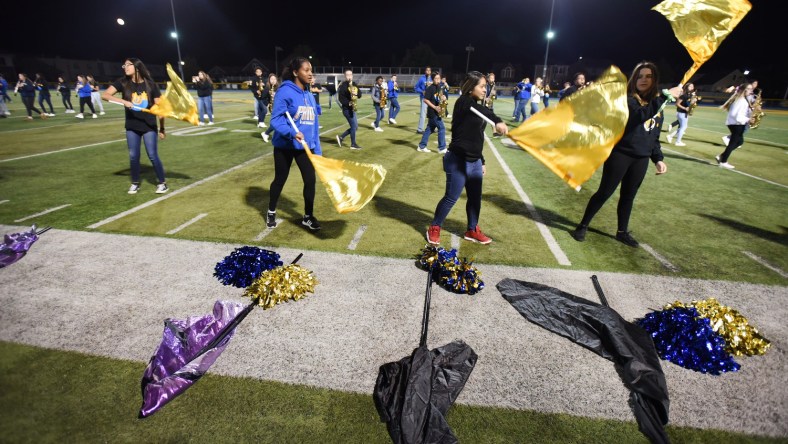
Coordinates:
[450,272]
[244,265]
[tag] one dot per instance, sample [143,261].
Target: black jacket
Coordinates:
[467,129]
[258,84]
[204,88]
[639,141]
[344,94]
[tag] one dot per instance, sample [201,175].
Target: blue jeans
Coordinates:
[683,118]
[353,122]
[378,115]
[520,110]
[534,108]
[134,140]
[393,107]
[422,113]
[516,104]
[205,106]
[461,175]
[261,110]
[434,122]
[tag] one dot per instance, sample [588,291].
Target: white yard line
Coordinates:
[734,171]
[766,264]
[662,259]
[174,193]
[4,201]
[455,242]
[186,224]
[357,237]
[559,254]
[267,231]
[43,213]
[76,122]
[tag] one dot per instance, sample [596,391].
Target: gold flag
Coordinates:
[176,102]
[702,25]
[350,185]
[576,137]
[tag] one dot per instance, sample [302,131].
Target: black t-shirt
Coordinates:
[430,94]
[316,94]
[467,129]
[143,96]
[684,100]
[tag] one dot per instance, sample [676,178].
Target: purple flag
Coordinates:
[16,245]
[178,362]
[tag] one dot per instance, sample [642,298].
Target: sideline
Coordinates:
[50,210]
[766,264]
[186,224]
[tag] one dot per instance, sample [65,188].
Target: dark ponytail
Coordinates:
[293,65]
[471,80]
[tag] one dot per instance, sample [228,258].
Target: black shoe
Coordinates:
[419,132]
[580,233]
[355,147]
[311,223]
[270,219]
[625,238]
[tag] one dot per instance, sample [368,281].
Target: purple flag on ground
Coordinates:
[178,363]
[15,246]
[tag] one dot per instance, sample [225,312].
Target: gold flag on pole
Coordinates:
[576,137]
[702,25]
[176,102]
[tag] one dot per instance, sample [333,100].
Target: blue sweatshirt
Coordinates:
[421,86]
[301,106]
[525,90]
[84,89]
[393,93]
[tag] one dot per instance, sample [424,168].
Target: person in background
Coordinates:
[95,94]
[394,107]
[432,99]
[682,115]
[524,91]
[316,89]
[65,95]
[27,91]
[348,94]
[464,161]
[377,93]
[537,92]
[269,94]
[516,97]
[547,92]
[564,90]
[84,91]
[44,95]
[739,113]
[138,92]
[421,86]
[579,82]
[202,81]
[628,161]
[4,90]
[294,98]
[332,92]
[257,86]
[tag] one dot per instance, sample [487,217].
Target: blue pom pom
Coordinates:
[244,265]
[449,271]
[686,339]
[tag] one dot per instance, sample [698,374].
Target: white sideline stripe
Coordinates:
[174,193]
[82,146]
[766,264]
[357,237]
[244,131]
[186,224]
[734,171]
[42,213]
[662,260]
[455,242]
[4,201]
[55,126]
[559,254]
[267,231]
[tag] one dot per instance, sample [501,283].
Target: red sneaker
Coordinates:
[434,234]
[476,235]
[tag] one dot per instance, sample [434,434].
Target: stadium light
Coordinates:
[746,72]
[470,49]
[550,35]
[276,57]
[174,34]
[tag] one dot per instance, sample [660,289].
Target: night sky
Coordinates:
[230,33]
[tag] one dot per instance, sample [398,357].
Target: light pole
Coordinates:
[276,58]
[174,35]
[470,49]
[550,35]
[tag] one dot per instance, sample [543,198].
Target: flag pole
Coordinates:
[599,291]
[292,123]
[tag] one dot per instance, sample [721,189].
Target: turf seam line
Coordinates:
[662,259]
[174,193]
[186,224]
[50,210]
[552,244]
[357,237]
[766,264]
[455,242]
[267,231]
[57,126]
[735,171]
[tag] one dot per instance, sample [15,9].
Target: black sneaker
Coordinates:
[580,233]
[625,238]
[311,223]
[355,147]
[270,219]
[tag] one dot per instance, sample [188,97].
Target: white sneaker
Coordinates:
[727,165]
[80,116]
[717,158]
[379,129]
[443,151]
[265,137]
[210,123]
[261,125]
[392,121]
[680,143]
[95,116]
[102,113]
[201,124]
[726,140]
[670,137]
[51,115]
[339,141]
[161,188]
[134,188]
[205,116]
[373,125]
[254,117]
[424,150]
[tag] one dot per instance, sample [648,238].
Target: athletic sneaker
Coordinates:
[379,129]
[161,188]
[476,235]
[261,125]
[717,158]
[134,188]
[419,132]
[95,116]
[373,125]
[80,116]
[727,165]
[580,233]
[443,151]
[270,219]
[310,222]
[726,140]
[434,234]
[29,117]
[339,141]
[50,114]
[670,128]
[102,113]
[205,116]
[423,150]
[265,136]
[201,124]
[626,238]
[392,121]
[210,123]
[670,137]
[355,147]
[680,143]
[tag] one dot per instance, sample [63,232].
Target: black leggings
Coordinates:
[736,140]
[67,102]
[619,169]
[83,101]
[283,158]
[47,99]
[30,105]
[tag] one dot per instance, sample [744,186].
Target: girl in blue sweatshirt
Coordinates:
[295,98]
[83,91]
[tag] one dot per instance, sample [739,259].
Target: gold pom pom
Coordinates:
[280,285]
